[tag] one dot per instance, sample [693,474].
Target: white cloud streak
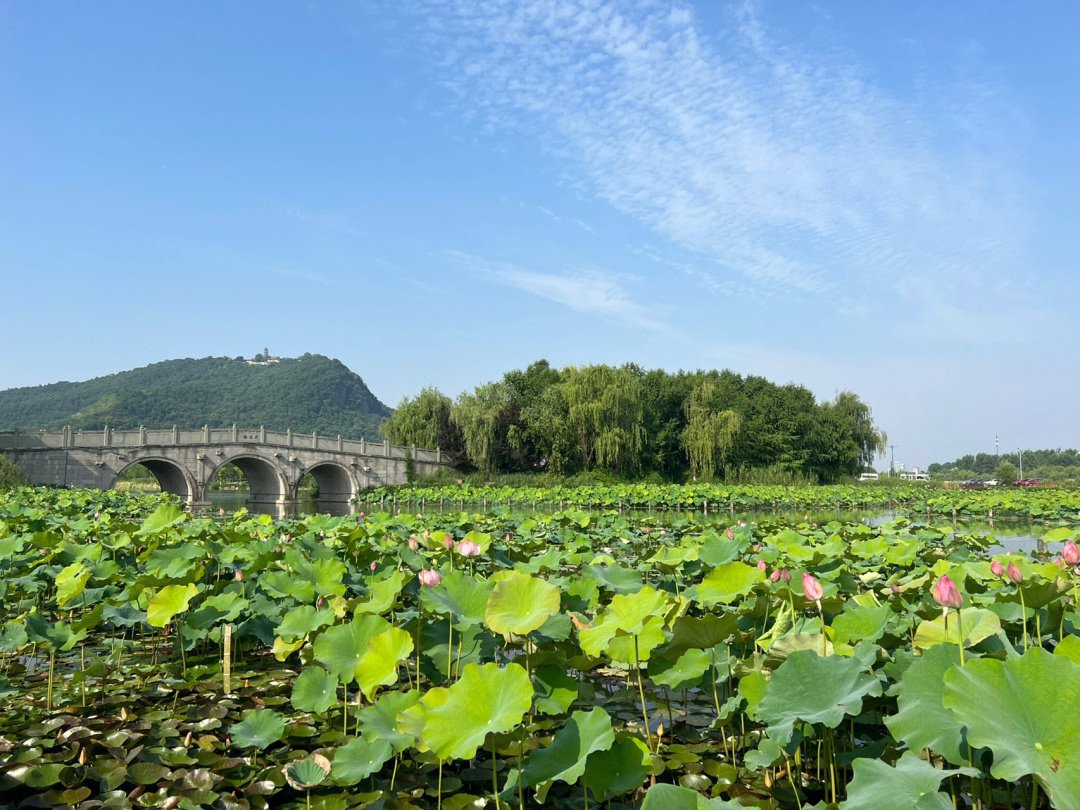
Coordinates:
[591,291]
[791,171]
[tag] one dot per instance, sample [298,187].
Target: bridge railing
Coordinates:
[143,437]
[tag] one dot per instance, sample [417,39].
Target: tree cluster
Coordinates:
[702,424]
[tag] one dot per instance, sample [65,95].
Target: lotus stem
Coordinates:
[494,775]
[641,691]
[52,666]
[960,634]
[439,788]
[450,648]
[1023,615]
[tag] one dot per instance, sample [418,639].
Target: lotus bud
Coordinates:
[757,547]
[647,530]
[946,594]
[1013,573]
[373,565]
[277,549]
[467,548]
[996,568]
[895,588]
[429,577]
[761,566]
[448,543]
[427,532]
[730,534]
[413,545]
[1059,562]
[97,515]
[320,602]
[663,532]
[775,575]
[785,575]
[239,576]
[221,511]
[1071,553]
[362,515]
[811,587]
[287,538]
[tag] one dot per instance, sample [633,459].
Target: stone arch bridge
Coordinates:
[184,461]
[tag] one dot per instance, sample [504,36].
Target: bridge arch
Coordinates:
[171,476]
[336,482]
[266,482]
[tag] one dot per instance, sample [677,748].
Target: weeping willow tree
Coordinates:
[423,421]
[605,415]
[483,417]
[710,430]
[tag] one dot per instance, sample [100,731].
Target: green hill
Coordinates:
[306,393]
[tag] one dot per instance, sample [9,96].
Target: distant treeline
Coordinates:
[1052,465]
[703,424]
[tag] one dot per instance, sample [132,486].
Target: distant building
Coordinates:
[263,359]
[914,475]
[868,476]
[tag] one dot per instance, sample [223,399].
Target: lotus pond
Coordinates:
[571,659]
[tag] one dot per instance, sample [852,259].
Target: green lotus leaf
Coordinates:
[168,602]
[1069,647]
[359,758]
[314,690]
[486,699]
[12,637]
[627,648]
[672,797]
[859,623]
[977,624]
[163,518]
[681,673]
[71,582]
[520,604]
[378,666]
[62,637]
[728,582]
[555,690]
[614,578]
[716,551]
[147,773]
[380,722]
[912,785]
[306,773]
[704,633]
[258,729]
[813,689]
[1027,712]
[620,769]
[789,643]
[280,585]
[382,594]
[564,760]
[341,647]
[459,595]
[325,575]
[922,721]
[300,621]
[631,611]
[673,556]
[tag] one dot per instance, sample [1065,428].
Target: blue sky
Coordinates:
[865,196]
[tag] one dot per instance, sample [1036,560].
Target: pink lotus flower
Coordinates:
[996,568]
[448,543]
[1059,562]
[647,530]
[761,566]
[775,575]
[373,565]
[320,602]
[362,514]
[946,594]
[785,575]
[730,534]
[1013,573]
[757,547]
[413,545]
[467,548]
[811,587]
[1071,553]
[429,577]
[239,576]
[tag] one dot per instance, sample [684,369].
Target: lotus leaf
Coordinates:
[359,758]
[258,729]
[520,604]
[813,689]
[486,699]
[1027,712]
[314,690]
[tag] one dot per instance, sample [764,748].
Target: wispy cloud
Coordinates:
[590,291]
[791,170]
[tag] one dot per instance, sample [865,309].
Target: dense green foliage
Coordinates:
[1049,503]
[689,424]
[309,393]
[11,474]
[562,660]
[1051,465]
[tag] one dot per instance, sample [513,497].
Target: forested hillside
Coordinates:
[307,393]
[706,424]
